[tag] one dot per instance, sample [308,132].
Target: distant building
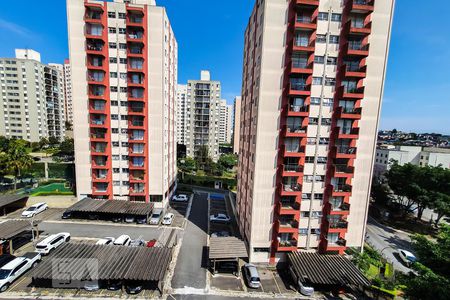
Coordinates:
[182,113]
[225,122]
[416,155]
[237,123]
[203,115]
[68,107]
[32,97]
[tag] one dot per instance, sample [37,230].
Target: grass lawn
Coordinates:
[52,188]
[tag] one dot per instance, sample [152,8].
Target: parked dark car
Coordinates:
[117,219]
[227,267]
[114,285]
[92,217]
[129,219]
[141,220]
[66,215]
[133,288]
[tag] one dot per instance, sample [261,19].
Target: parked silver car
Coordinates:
[252,276]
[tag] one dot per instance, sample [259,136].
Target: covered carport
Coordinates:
[10,203]
[108,208]
[81,262]
[11,234]
[323,271]
[226,249]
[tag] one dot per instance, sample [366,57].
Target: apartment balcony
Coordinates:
[362,6]
[297,110]
[94,32]
[288,208]
[291,189]
[99,162]
[294,131]
[93,16]
[348,113]
[136,94]
[300,89]
[342,209]
[338,245]
[303,46]
[136,165]
[135,50]
[351,92]
[135,20]
[343,171]
[338,190]
[348,133]
[94,6]
[98,136]
[353,70]
[292,170]
[286,225]
[308,2]
[137,176]
[301,67]
[136,124]
[136,81]
[100,175]
[135,151]
[137,192]
[135,36]
[99,149]
[356,48]
[98,123]
[136,65]
[286,245]
[97,48]
[343,151]
[94,65]
[97,92]
[305,22]
[362,29]
[136,110]
[135,138]
[96,77]
[97,108]
[289,151]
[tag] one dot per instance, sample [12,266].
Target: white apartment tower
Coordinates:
[313,80]
[182,113]
[225,122]
[203,115]
[32,98]
[123,59]
[236,123]
[68,106]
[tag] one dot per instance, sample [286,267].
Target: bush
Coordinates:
[208,181]
[54,193]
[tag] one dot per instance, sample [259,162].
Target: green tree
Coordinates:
[202,158]
[228,161]
[43,143]
[16,159]
[53,141]
[4,142]
[187,164]
[66,147]
[68,125]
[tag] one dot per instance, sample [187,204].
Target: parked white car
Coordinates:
[156,216]
[305,290]
[52,242]
[180,198]
[407,257]
[105,241]
[34,210]
[222,218]
[123,240]
[16,268]
[168,219]
[252,276]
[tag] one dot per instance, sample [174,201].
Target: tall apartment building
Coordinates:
[313,81]
[123,56]
[182,113]
[416,155]
[203,111]
[32,97]
[68,106]
[225,122]
[237,123]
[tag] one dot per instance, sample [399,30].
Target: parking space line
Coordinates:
[276,283]
[18,283]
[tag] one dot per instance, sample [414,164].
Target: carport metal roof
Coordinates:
[112,206]
[227,248]
[326,269]
[8,199]
[11,228]
[114,263]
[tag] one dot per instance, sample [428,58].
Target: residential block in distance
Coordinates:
[313,81]
[236,123]
[123,58]
[32,97]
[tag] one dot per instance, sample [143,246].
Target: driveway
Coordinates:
[388,240]
[190,271]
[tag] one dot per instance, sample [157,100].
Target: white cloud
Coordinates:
[15,28]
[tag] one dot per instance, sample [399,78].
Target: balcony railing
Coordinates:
[292,168]
[288,223]
[343,169]
[297,86]
[289,205]
[93,16]
[295,129]
[98,135]
[98,122]
[340,207]
[137,20]
[339,243]
[342,224]
[94,47]
[298,108]
[291,187]
[304,19]
[342,188]
[287,243]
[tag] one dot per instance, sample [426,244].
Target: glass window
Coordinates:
[321,38]
[315,101]
[317,80]
[323,16]
[336,17]
[334,39]
[331,60]
[112,45]
[319,59]
[111,14]
[122,16]
[112,30]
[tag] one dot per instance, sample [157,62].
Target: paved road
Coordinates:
[388,240]
[189,271]
[210,297]
[99,230]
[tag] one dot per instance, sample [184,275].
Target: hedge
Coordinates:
[55,170]
[207,181]
[54,193]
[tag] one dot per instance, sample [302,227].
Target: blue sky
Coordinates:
[210,36]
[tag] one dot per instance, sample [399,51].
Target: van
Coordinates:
[52,242]
[156,216]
